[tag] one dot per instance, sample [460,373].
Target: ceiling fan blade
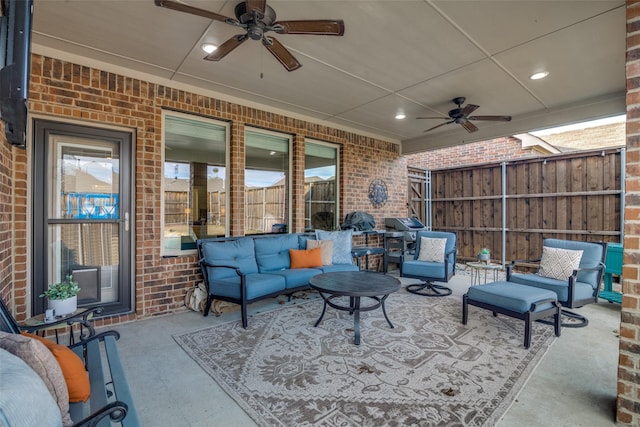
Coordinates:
[470,127]
[434,118]
[325,27]
[491,118]
[226,47]
[468,109]
[181,7]
[258,5]
[441,124]
[281,53]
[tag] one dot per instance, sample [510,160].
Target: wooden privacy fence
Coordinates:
[511,207]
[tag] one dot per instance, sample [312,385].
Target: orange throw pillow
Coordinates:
[306,258]
[75,375]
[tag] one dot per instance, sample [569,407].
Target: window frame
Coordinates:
[337,148]
[289,178]
[227,159]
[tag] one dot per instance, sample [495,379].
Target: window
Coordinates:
[266,180]
[320,185]
[195,198]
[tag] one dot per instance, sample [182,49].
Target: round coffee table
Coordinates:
[355,285]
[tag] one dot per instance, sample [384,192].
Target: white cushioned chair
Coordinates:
[434,260]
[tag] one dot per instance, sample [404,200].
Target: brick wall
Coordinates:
[62,90]
[628,403]
[491,151]
[611,135]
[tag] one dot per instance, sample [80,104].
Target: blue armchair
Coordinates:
[434,260]
[577,285]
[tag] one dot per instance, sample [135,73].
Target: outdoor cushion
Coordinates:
[24,398]
[560,287]
[296,277]
[341,245]
[338,267]
[432,249]
[272,253]
[511,296]
[557,263]
[237,253]
[73,370]
[433,270]
[305,258]
[258,284]
[40,359]
[327,249]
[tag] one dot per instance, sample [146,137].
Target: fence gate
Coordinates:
[417,195]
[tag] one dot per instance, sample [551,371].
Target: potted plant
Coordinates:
[63,296]
[484,255]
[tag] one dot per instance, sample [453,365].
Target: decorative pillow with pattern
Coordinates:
[341,245]
[432,249]
[558,263]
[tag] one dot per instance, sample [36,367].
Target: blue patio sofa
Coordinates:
[246,269]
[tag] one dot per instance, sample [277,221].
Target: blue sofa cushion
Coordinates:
[560,287]
[429,269]
[339,267]
[511,296]
[272,253]
[342,241]
[258,285]
[296,277]
[236,253]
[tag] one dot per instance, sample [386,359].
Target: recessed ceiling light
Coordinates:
[208,47]
[401,116]
[538,76]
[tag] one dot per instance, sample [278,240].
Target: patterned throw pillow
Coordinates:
[327,249]
[341,245]
[432,249]
[558,263]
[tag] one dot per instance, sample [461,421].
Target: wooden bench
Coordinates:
[110,399]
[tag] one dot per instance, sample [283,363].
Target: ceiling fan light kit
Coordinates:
[460,115]
[257,18]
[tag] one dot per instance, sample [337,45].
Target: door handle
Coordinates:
[126,221]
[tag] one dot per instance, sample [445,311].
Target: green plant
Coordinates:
[63,290]
[484,251]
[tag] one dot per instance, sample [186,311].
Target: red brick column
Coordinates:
[628,404]
[236,187]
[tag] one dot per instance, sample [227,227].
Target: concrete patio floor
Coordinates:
[574,385]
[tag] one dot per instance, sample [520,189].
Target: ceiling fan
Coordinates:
[461,116]
[257,19]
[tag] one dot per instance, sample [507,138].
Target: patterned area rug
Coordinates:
[429,370]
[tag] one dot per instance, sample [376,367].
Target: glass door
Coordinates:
[81,213]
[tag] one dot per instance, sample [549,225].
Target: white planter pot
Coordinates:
[484,257]
[63,307]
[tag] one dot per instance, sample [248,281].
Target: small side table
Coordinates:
[477,267]
[81,316]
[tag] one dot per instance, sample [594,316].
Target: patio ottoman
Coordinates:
[514,300]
